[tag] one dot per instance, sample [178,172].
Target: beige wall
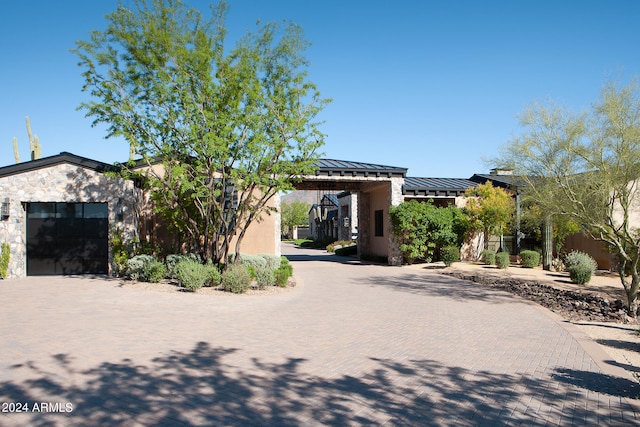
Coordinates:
[379,245]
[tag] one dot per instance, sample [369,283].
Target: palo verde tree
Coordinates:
[490,209]
[586,167]
[231,126]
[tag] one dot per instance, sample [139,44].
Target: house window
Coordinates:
[379,223]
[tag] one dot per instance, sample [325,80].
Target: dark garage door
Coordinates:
[67,238]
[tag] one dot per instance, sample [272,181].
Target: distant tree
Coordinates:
[586,167]
[490,209]
[422,229]
[231,126]
[293,214]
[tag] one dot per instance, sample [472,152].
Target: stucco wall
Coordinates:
[63,183]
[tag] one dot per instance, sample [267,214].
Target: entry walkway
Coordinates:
[352,345]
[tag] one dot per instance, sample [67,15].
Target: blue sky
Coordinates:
[434,86]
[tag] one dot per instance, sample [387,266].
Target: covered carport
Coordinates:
[377,187]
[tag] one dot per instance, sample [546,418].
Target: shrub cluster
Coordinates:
[530,259]
[488,257]
[580,266]
[137,265]
[173,260]
[502,260]
[283,273]
[192,274]
[5,254]
[236,279]
[450,254]
[266,269]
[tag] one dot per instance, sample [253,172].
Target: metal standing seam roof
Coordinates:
[330,167]
[504,181]
[448,187]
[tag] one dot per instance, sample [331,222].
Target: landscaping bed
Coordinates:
[571,305]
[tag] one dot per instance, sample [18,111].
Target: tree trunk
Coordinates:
[547,242]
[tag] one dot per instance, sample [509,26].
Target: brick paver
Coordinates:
[354,344]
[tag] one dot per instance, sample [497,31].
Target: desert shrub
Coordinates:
[136,266]
[236,279]
[347,250]
[502,259]
[264,277]
[121,252]
[173,260]
[273,261]
[283,273]
[192,274]
[5,254]
[580,267]
[252,260]
[577,257]
[154,271]
[530,259]
[450,254]
[488,257]
[213,275]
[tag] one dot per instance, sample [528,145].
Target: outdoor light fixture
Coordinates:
[4,209]
[119,210]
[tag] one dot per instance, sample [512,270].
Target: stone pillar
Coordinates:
[395,198]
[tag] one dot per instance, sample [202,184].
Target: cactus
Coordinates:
[35,149]
[16,153]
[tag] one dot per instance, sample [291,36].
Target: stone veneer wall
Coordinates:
[395,198]
[65,183]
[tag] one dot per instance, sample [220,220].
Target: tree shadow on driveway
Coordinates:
[438,285]
[198,387]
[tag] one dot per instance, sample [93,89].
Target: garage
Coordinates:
[67,238]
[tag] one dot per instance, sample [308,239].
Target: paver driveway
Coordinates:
[355,344]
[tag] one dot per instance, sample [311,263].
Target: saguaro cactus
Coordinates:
[35,149]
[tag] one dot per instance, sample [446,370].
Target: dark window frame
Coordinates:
[378,220]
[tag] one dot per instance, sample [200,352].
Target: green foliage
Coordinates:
[585,166]
[162,76]
[502,260]
[5,254]
[347,250]
[293,214]
[136,266]
[580,266]
[488,257]
[264,277]
[576,257]
[236,279]
[214,277]
[154,271]
[192,274]
[489,209]
[421,228]
[450,254]
[580,274]
[530,259]
[121,252]
[252,260]
[283,273]
[173,260]
[273,261]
